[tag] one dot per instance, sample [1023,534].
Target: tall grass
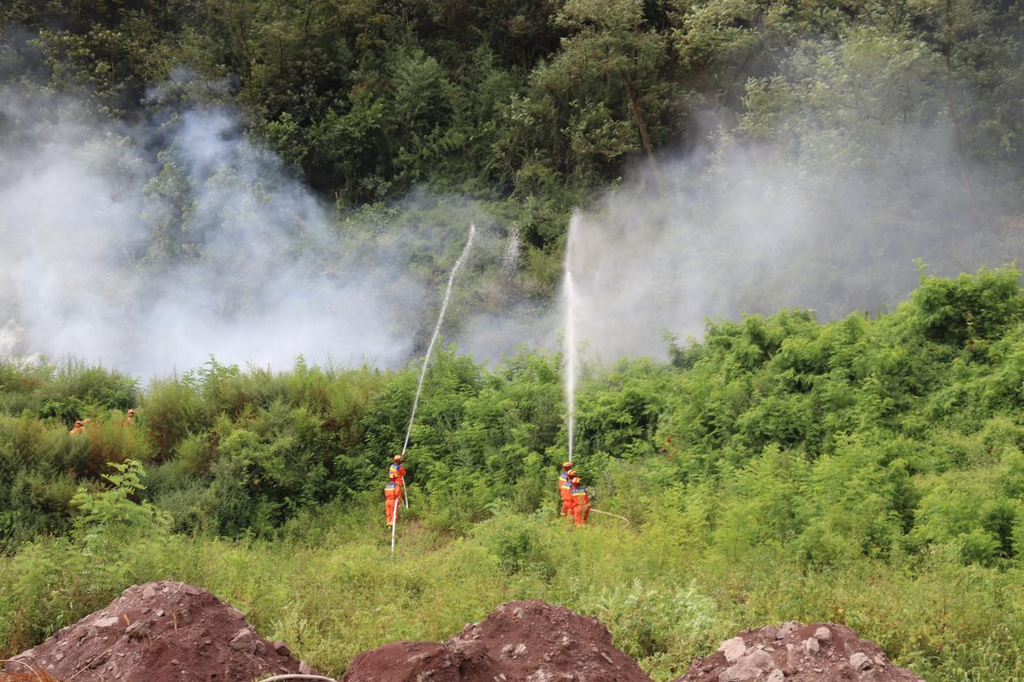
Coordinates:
[331,588]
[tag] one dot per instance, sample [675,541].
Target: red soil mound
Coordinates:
[794,652]
[31,676]
[527,641]
[160,631]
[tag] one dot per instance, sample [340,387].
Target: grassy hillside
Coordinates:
[867,471]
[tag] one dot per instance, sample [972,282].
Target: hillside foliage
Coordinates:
[533,108]
[835,449]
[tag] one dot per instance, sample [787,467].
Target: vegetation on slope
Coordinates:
[868,471]
[539,107]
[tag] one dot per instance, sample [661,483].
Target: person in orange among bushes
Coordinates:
[398,468]
[568,502]
[392,498]
[130,419]
[581,502]
[79,426]
[565,487]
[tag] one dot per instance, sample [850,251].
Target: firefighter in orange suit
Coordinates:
[392,496]
[565,488]
[581,502]
[398,469]
[567,500]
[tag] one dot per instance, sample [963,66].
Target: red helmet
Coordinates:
[566,466]
[398,458]
[577,481]
[571,473]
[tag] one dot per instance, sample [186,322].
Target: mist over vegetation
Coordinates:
[869,471]
[798,419]
[328,153]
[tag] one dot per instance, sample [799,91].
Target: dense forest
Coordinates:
[533,108]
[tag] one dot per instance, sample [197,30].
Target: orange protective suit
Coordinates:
[392,497]
[397,474]
[581,506]
[565,490]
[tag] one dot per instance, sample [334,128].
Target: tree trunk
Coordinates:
[641,124]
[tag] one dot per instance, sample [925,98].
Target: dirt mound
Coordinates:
[160,631]
[797,653]
[31,676]
[526,641]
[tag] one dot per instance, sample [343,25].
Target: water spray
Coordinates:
[570,359]
[571,351]
[426,363]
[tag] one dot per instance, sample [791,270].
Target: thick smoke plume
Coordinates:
[742,229]
[151,247]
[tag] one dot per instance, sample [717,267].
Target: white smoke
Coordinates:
[95,265]
[743,230]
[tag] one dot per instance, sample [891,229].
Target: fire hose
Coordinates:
[394,524]
[598,511]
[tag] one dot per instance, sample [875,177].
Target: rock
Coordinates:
[860,661]
[282,648]
[148,593]
[733,649]
[811,645]
[776,676]
[748,667]
[243,641]
[823,635]
[786,628]
[519,650]
[304,668]
[137,630]
[103,623]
